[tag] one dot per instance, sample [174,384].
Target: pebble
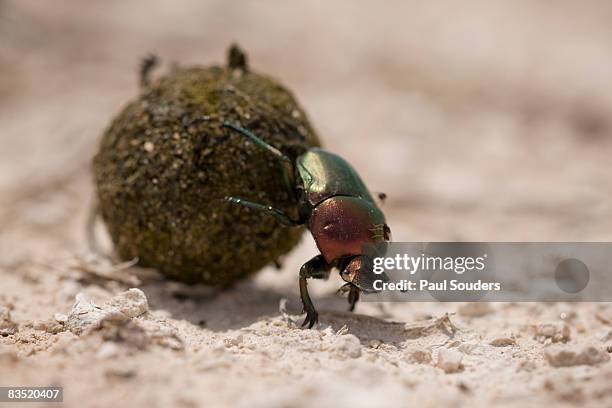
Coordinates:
[346,346]
[449,360]
[50,326]
[233,341]
[503,342]
[86,315]
[107,350]
[417,355]
[574,356]
[131,303]
[374,343]
[555,332]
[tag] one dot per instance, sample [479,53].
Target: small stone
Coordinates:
[374,344]
[149,147]
[503,342]
[131,303]
[474,309]
[107,350]
[555,332]
[346,346]
[417,355]
[85,315]
[449,360]
[568,316]
[50,326]
[567,357]
[234,341]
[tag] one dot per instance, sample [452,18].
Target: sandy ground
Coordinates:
[480,121]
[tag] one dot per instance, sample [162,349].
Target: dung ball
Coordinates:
[166,162]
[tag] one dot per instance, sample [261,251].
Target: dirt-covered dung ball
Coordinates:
[166,162]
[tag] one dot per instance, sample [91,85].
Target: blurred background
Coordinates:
[481,121]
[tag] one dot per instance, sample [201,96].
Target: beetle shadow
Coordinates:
[213,308]
[245,303]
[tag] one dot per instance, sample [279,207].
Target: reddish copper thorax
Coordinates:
[341,224]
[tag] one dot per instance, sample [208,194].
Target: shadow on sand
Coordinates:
[246,303]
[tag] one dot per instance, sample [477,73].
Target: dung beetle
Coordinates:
[336,206]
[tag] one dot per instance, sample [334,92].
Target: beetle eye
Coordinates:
[387,232]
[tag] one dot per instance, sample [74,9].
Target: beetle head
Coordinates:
[359,272]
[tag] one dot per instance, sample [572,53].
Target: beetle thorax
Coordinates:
[341,224]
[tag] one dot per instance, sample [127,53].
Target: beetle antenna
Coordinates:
[259,142]
[277,154]
[382,197]
[267,209]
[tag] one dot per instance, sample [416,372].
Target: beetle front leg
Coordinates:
[353,297]
[285,161]
[316,268]
[353,294]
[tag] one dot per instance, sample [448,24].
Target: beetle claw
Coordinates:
[312,317]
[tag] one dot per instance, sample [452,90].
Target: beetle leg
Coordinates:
[268,209]
[146,66]
[353,297]
[343,289]
[353,294]
[286,162]
[316,268]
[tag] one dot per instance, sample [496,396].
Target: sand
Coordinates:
[488,122]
